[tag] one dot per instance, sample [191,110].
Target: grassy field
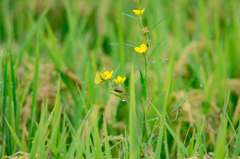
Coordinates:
[180,99]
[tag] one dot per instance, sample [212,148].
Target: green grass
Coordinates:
[181,98]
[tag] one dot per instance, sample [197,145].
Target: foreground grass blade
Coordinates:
[190,149]
[221,138]
[120,37]
[38,144]
[34,97]
[166,145]
[237,145]
[160,136]
[185,151]
[134,149]
[200,138]
[4,100]
[13,91]
[32,33]
[107,148]
[56,116]
[15,137]
[96,136]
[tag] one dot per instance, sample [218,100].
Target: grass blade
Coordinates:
[32,32]
[107,148]
[4,100]
[96,136]
[237,145]
[157,23]
[56,115]
[155,49]
[34,97]
[160,136]
[190,149]
[131,16]
[133,143]
[15,136]
[185,151]
[16,108]
[120,37]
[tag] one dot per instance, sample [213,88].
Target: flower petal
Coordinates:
[119,79]
[143,47]
[136,12]
[106,73]
[98,78]
[137,49]
[123,79]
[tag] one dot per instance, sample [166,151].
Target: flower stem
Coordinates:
[145,83]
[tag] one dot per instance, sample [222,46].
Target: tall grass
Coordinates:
[181,98]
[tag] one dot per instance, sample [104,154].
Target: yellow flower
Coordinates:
[141,49]
[139,12]
[108,75]
[99,77]
[119,79]
[103,76]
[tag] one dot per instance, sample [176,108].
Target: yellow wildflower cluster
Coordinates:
[103,76]
[107,76]
[100,77]
[144,30]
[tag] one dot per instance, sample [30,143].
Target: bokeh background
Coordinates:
[77,38]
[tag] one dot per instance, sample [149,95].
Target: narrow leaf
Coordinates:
[34,97]
[157,23]
[15,136]
[131,16]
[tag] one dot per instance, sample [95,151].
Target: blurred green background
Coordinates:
[77,38]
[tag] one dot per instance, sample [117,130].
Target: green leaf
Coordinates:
[4,99]
[16,111]
[143,90]
[32,32]
[155,48]
[164,112]
[15,136]
[96,136]
[166,145]
[135,60]
[56,116]
[185,151]
[107,148]
[139,3]
[157,23]
[131,16]
[133,143]
[178,103]
[116,95]
[38,144]
[34,97]
[190,149]
[176,116]
[122,44]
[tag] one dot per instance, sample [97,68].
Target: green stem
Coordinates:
[145,98]
[141,20]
